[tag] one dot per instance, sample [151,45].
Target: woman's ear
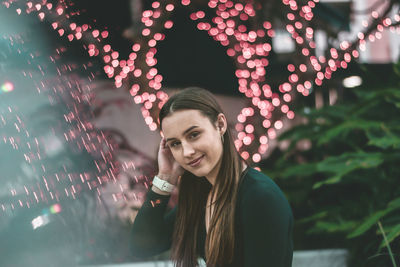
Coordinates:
[221,123]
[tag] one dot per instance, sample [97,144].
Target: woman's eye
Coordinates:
[174,144]
[194,134]
[191,136]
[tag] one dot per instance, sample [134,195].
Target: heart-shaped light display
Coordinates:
[236,26]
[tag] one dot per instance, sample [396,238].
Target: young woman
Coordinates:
[228,213]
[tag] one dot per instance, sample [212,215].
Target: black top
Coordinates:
[263,227]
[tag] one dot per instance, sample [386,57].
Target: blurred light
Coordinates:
[7,87]
[278,125]
[40,221]
[256,157]
[282,42]
[290,115]
[245,155]
[352,81]
[56,208]
[53,145]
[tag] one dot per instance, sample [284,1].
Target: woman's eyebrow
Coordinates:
[186,131]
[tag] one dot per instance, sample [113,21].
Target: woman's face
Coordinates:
[195,142]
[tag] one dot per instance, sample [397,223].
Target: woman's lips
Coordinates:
[196,162]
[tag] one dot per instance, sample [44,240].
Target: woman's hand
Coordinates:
[168,169]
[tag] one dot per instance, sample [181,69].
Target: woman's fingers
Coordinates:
[163,143]
[165,155]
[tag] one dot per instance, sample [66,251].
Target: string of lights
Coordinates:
[236,26]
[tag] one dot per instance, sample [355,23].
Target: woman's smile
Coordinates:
[196,162]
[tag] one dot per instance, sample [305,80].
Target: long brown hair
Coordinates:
[193,192]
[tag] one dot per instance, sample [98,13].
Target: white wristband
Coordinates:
[163,185]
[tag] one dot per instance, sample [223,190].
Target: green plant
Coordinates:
[348,180]
[387,244]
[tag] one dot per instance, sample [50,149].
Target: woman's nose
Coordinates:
[188,150]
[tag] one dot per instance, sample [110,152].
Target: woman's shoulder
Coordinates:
[257,187]
[254,179]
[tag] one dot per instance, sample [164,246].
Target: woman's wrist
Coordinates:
[163,188]
[168,178]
